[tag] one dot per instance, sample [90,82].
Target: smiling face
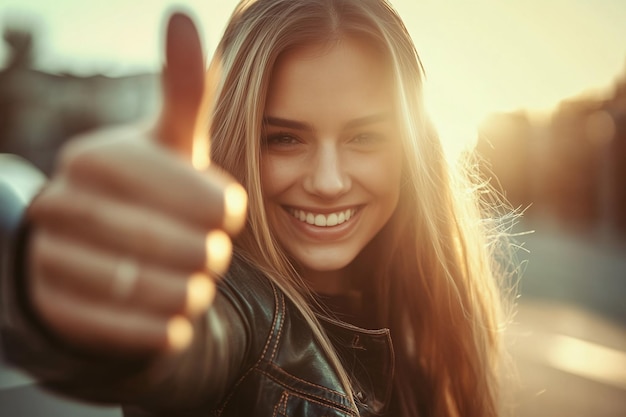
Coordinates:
[331,160]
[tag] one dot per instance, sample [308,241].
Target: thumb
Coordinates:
[180,123]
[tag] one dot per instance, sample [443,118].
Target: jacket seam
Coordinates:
[307,395]
[279,369]
[277,313]
[281,404]
[280,329]
[306,398]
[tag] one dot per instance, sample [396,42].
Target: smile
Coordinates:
[323,220]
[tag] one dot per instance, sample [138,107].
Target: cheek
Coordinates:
[277,174]
[270,176]
[381,175]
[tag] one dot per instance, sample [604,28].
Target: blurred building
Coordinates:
[39,110]
[570,166]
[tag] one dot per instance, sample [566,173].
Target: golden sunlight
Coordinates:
[483,57]
[179,334]
[587,359]
[218,250]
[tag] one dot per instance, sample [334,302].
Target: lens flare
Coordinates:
[218,251]
[235,203]
[179,333]
[200,293]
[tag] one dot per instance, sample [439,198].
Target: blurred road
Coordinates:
[568,339]
[586,270]
[570,362]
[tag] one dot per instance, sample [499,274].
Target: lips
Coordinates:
[323,219]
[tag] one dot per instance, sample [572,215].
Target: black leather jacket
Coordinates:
[253,354]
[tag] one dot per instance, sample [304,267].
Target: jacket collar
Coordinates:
[368,356]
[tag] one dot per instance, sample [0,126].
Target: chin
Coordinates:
[324,262]
[325,266]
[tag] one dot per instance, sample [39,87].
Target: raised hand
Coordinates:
[128,236]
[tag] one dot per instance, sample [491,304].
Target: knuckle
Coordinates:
[145,239]
[72,155]
[42,205]
[84,154]
[60,207]
[41,256]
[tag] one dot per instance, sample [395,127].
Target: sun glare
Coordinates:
[457,126]
[482,57]
[587,359]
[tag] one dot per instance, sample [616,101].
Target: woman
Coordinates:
[361,283]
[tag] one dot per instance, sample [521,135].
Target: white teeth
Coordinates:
[321,220]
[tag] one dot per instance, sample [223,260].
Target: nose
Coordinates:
[327,177]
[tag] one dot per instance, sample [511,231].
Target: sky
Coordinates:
[481,56]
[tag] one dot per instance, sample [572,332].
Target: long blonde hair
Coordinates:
[434,258]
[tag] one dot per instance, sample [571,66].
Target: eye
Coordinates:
[281,139]
[368,138]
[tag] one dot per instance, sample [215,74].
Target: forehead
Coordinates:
[348,73]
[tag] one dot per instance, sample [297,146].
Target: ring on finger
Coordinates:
[124,279]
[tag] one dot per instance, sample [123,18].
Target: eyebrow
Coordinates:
[352,124]
[290,124]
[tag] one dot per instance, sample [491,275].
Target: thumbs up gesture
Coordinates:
[129,236]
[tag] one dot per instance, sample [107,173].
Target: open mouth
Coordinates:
[323,220]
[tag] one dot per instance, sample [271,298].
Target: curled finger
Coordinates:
[106,277]
[138,231]
[98,327]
